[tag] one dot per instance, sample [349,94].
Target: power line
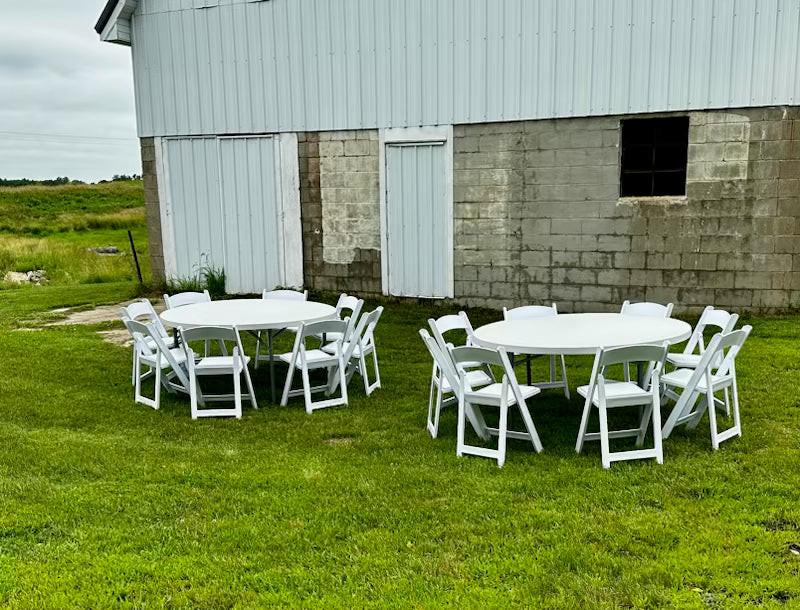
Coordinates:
[56,136]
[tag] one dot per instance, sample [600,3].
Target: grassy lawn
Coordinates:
[104,503]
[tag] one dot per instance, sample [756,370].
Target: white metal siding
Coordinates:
[253,241]
[195,211]
[297,65]
[417,248]
[233,205]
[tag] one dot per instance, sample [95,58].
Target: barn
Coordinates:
[497,152]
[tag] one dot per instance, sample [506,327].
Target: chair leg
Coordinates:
[249,383]
[461,426]
[657,442]
[530,427]
[605,450]
[432,392]
[502,438]
[564,378]
[306,388]
[712,418]
[194,390]
[237,394]
[587,408]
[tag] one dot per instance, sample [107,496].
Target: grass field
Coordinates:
[104,503]
[51,228]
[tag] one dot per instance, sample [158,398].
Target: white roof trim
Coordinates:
[118,27]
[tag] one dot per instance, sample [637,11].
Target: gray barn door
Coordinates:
[416,217]
[251,222]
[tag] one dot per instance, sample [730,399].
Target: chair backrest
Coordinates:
[444,324]
[486,358]
[647,308]
[314,329]
[139,332]
[353,305]
[285,295]
[186,298]
[142,331]
[443,360]
[143,310]
[363,334]
[718,318]
[222,334]
[654,355]
[530,311]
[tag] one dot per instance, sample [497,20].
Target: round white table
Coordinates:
[248,314]
[251,315]
[579,333]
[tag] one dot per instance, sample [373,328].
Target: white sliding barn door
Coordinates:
[191,229]
[418,219]
[252,224]
[233,203]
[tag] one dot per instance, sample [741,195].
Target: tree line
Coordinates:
[63,180]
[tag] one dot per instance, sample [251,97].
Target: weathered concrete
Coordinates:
[152,209]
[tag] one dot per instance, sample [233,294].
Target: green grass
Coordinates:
[51,228]
[104,503]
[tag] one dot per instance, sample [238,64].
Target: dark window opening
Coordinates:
[654,153]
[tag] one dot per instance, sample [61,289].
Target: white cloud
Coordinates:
[57,79]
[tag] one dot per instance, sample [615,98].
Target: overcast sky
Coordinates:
[66,98]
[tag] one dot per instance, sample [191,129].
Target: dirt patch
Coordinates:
[116,337]
[339,441]
[98,315]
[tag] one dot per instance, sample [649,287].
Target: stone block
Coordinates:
[771,299]
[789,188]
[725,132]
[780,149]
[698,261]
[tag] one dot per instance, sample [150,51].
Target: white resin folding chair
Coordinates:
[715,372]
[605,394]
[539,311]
[693,351]
[358,346]
[503,395]
[282,294]
[440,386]
[143,311]
[647,308]
[186,298]
[234,365]
[346,306]
[306,360]
[447,376]
[166,364]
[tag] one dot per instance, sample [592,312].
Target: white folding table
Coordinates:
[251,315]
[579,333]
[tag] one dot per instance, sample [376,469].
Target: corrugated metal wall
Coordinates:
[239,66]
[224,210]
[416,209]
[194,228]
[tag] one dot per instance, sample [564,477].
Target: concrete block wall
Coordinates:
[340,209]
[539,218]
[152,209]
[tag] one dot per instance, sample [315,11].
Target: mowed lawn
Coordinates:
[105,503]
[108,504]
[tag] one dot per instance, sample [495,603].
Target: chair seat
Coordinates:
[680,378]
[213,365]
[474,378]
[313,356]
[168,341]
[617,391]
[177,353]
[684,361]
[491,393]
